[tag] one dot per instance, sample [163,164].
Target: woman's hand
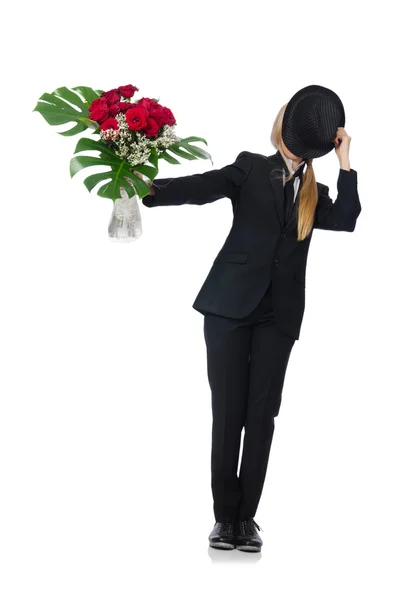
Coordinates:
[342,147]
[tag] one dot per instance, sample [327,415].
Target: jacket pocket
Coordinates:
[233,257]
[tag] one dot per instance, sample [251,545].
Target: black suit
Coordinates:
[253,301]
[259,247]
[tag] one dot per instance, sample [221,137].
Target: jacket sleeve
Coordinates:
[201,188]
[342,214]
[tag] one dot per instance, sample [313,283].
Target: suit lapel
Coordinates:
[276,178]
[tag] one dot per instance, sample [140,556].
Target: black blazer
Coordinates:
[259,247]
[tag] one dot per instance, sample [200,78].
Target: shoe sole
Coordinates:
[222,545]
[249,548]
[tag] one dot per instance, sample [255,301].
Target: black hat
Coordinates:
[311,120]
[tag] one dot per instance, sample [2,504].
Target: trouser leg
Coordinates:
[270,353]
[228,344]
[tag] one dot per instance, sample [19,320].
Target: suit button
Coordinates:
[284,235]
[276,261]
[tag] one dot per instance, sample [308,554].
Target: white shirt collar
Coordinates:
[290,163]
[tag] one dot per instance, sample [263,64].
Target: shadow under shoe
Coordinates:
[247,537]
[222,536]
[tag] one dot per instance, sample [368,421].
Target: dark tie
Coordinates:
[289,192]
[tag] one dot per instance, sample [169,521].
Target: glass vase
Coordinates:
[125,224]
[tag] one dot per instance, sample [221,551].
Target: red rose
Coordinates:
[156,113]
[119,107]
[99,113]
[136,118]
[97,102]
[167,116]
[114,109]
[146,103]
[125,105]
[127,91]
[151,129]
[110,124]
[111,97]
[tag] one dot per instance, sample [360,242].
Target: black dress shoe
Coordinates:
[247,537]
[222,536]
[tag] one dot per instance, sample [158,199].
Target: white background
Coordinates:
[105,404]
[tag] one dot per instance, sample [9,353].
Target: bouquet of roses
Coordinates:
[131,134]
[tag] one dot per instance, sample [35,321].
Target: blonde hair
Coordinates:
[308,195]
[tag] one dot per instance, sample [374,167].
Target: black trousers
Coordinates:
[246,363]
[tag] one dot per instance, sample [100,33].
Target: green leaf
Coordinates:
[66,106]
[85,144]
[118,170]
[150,172]
[90,123]
[169,158]
[196,151]
[154,159]
[88,93]
[181,153]
[186,150]
[193,138]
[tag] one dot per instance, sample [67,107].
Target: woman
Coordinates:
[253,298]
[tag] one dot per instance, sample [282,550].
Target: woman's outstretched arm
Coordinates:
[200,188]
[342,214]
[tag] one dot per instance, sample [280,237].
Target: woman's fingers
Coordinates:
[340,133]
